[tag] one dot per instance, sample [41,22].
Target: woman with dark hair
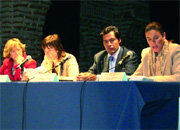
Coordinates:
[161,60]
[54,54]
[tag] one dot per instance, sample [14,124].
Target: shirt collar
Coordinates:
[115,55]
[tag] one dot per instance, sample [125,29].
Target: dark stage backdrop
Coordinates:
[63,18]
[167,13]
[79,23]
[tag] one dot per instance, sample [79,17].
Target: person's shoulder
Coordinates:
[174,46]
[32,61]
[125,49]
[69,55]
[101,53]
[7,61]
[146,49]
[174,49]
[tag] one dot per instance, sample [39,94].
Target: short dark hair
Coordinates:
[53,41]
[109,29]
[154,26]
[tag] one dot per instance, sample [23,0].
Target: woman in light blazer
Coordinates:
[55,54]
[161,60]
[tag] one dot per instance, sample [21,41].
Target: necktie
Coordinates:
[111,65]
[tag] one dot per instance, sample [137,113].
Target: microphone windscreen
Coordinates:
[69,57]
[28,57]
[130,53]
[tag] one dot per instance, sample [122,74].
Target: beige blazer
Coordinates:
[70,67]
[171,69]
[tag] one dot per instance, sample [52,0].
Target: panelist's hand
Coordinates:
[18,59]
[86,77]
[25,76]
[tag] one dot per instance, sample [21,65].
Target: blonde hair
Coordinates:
[10,44]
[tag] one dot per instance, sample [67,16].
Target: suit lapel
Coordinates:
[165,63]
[106,64]
[165,57]
[120,55]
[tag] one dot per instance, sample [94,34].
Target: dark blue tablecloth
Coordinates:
[90,105]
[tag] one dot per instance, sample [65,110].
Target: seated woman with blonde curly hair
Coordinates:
[15,54]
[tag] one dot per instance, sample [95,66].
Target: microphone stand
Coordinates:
[52,68]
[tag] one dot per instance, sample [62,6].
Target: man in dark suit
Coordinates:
[114,58]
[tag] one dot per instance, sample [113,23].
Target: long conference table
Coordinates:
[89,105]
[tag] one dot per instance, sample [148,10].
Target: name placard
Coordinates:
[63,78]
[113,76]
[4,78]
[47,77]
[139,78]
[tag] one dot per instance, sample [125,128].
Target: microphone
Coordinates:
[62,61]
[26,60]
[128,54]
